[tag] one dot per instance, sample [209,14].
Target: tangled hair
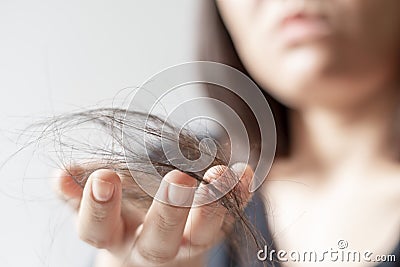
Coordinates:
[105,147]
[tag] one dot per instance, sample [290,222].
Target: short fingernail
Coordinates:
[179,195]
[102,190]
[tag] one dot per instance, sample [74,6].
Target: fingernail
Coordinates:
[102,190]
[179,195]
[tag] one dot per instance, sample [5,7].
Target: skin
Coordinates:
[343,93]
[166,235]
[341,180]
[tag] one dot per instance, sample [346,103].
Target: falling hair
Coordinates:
[130,160]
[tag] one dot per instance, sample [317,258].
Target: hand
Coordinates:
[164,235]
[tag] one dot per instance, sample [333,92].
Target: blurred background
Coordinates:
[58,56]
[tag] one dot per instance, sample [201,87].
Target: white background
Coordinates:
[57,56]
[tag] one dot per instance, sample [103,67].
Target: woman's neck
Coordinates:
[346,141]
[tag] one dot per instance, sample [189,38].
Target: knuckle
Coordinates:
[100,243]
[153,256]
[208,212]
[98,213]
[167,223]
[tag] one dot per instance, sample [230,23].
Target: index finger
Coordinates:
[162,232]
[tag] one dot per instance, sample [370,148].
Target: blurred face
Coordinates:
[317,52]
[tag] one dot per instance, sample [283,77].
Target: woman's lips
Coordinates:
[301,28]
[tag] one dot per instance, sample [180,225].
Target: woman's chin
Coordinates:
[308,61]
[302,88]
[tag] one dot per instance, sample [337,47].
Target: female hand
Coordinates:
[164,235]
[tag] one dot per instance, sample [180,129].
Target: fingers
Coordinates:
[163,227]
[99,219]
[166,226]
[242,189]
[204,224]
[67,188]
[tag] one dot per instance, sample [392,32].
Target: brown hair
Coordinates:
[215,44]
[73,138]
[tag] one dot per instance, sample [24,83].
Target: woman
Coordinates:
[333,66]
